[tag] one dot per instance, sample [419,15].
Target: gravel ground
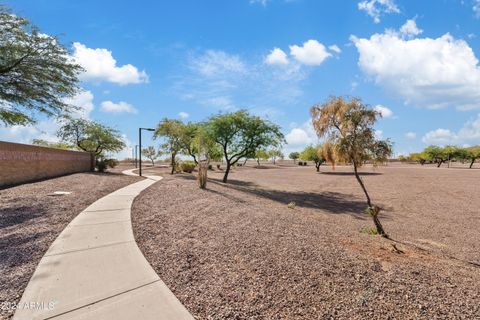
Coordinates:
[30,220]
[237,251]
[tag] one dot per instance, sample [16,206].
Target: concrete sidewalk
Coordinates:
[95,270]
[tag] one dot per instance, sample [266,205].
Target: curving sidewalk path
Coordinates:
[95,270]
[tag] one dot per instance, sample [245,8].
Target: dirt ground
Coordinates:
[237,251]
[30,220]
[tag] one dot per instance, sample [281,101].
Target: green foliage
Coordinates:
[48,144]
[294,155]
[102,164]
[36,72]
[369,231]
[291,205]
[261,154]
[240,135]
[173,133]
[275,153]
[91,136]
[152,154]
[314,154]
[187,166]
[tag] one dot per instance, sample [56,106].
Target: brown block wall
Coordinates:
[22,163]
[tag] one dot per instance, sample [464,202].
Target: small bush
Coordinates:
[369,231]
[291,205]
[103,164]
[187,166]
[210,167]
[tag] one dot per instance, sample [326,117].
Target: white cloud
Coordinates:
[223,81]
[217,63]
[100,65]
[468,134]
[120,107]
[276,56]
[311,52]
[384,111]
[335,48]
[476,8]
[44,130]
[410,135]
[183,115]
[410,29]
[375,8]
[300,136]
[83,100]
[262,2]
[378,134]
[426,72]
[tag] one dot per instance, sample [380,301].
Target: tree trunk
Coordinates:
[153,163]
[317,165]
[245,162]
[471,163]
[374,210]
[439,163]
[273,160]
[173,163]
[258,161]
[227,170]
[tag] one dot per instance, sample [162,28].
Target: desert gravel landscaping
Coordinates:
[237,251]
[30,219]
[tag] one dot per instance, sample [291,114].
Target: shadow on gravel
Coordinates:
[18,215]
[335,173]
[17,250]
[332,202]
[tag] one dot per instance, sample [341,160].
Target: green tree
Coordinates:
[294,156]
[36,72]
[240,134]
[314,154]
[275,153]
[48,144]
[472,154]
[261,154]
[91,136]
[151,154]
[348,126]
[173,132]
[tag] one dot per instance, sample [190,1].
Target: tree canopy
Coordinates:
[240,134]
[173,132]
[348,127]
[314,154]
[36,72]
[91,136]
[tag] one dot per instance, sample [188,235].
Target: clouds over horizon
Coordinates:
[467,135]
[310,53]
[100,66]
[377,8]
[425,72]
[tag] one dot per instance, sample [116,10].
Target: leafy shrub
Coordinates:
[369,231]
[291,205]
[210,167]
[187,166]
[103,164]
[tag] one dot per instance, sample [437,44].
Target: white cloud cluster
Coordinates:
[410,29]
[100,65]
[183,115]
[476,8]
[426,72]
[468,134]
[120,107]
[276,56]
[311,53]
[217,63]
[301,136]
[384,111]
[375,8]
[83,100]
[410,135]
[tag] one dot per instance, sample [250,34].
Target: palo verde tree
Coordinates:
[275,153]
[472,154]
[91,136]
[294,156]
[207,149]
[261,154]
[240,134]
[151,154]
[314,154]
[173,132]
[348,126]
[36,72]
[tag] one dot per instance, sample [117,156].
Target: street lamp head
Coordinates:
[150,129]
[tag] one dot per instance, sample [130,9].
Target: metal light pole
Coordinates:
[140,148]
[136,155]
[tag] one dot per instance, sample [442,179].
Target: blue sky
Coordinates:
[416,61]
